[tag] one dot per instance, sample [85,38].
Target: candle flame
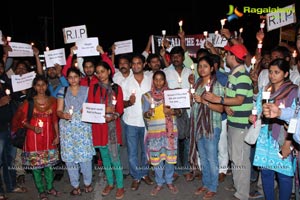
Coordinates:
[223,21]
[180,23]
[253,60]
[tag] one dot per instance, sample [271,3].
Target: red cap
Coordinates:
[238,50]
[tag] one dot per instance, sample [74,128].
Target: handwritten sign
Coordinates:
[74,33]
[123,47]
[56,56]
[20,50]
[179,98]
[23,82]
[93,112]
[282,17]
[87,47]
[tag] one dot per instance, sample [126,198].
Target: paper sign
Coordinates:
[23,82]
[179,98]
[87,47]
[93,112]
[123,47]
[56,56]
[282,17]
[20,50]
[74,33]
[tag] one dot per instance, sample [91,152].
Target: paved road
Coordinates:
[186,190]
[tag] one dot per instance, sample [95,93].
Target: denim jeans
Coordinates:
[135,140]
[285,184]
[7,157]
[164,173]
[208,153]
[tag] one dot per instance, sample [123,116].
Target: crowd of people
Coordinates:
[141,132]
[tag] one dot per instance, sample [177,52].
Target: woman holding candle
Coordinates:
[40,149]
[107,136]
[161,139]
[76,143]
[274,137]
[206,127]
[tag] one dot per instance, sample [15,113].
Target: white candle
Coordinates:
[71,110]
[216,32]
[114,101]
[205,33]
[47,48]
[192,67]
[8,39]
[41,123]
[259,45]
[163,32]
[192,89]
[7,92]
[207,86]
[152,103]
[222,23]
[253,61]
[294,54]
[180,25]
[241,30]
[179,80]
[281,105]
[262,25]
[254,111]
[133,91]
[266,94]
[76,64]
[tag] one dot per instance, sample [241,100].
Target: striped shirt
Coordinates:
[240,84]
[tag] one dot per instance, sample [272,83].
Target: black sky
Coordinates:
[110,21]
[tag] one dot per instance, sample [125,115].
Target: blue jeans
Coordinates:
[183,165]
[135,139]
[208,153]
[7,157]
[164,173]
[285,184]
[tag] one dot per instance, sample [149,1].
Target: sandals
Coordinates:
[209,195]
[19,190]
[43,196]
[53,192]
[88,189]
[201,190]
[75,191]
[155,190]
[173,189]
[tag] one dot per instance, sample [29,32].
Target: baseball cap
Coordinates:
[238,50]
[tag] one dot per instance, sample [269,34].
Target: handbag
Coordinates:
[253,132]
[18,137]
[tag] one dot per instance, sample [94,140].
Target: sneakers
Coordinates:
[147,180]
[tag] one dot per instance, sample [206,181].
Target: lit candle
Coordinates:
[7,92]
[192,89]
[266,94]
[47,49]
[192,68]
[281,105]
[41,123]
[259,46]
[8,38]
[254,113]
[32,43]
[163,32]
[241,30]
[152,103]
[75,64]
[222,23]
[207,86]
[114,101]
[216,32]
[205,33]
[294,54]
[262,25]
[253,61]
[133,91]
[180,25]
[71,110]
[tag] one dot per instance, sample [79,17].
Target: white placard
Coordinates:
[1,41]
[87,47]
[219,41]
[23,82]
[179,98]
[20,50]
[56,56]
[93,112]
[74,33]
[282,17]
[124,46]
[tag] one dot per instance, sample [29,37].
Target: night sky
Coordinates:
[112,21]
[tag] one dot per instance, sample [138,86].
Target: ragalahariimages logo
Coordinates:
[233,13]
